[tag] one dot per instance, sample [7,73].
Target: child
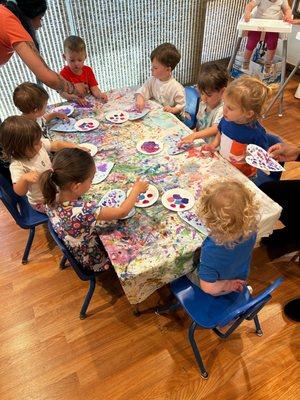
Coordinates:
[244,100]
[212,82]
[162,87]
[74,219]
[230,213]
[31,99]
[21,140]
[76,72]
[266,9]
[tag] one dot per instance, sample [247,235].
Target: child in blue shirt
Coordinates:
[230,213]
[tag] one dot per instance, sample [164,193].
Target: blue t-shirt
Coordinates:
[218,262]
[234,141]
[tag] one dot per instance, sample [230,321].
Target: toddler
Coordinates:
[75,220]
[244,101]
[266,9]
[23,146]
[212,82]
[229,212]
[31,99]
[76,72]
[163,87]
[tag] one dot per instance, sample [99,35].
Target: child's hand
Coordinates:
[247,17]
[236,285]
[104,97]
[187,140]
[32,177]
[169,109]
[62,116]
[207,148]
[140,103]
[140,186]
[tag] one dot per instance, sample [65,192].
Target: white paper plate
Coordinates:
[86,124]
[259,158]
[148,198]
[93,149]
[150,146]
[178,199]
[64,126]
[102,171]
[135,114]
[117,116]
[67,109]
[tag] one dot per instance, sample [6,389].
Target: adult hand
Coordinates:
[82,89]
[104,97]
[81,101]
[284,152]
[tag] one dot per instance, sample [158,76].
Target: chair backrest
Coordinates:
[192,97]
[254,303]
[18,206]
[82,273]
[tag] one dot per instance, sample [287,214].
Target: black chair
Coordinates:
[82,273]
[22,212]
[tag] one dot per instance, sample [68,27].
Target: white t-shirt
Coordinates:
[267,9]
[167,93]
[40,163]
[206,118]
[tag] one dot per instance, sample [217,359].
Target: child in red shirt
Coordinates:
[76,72]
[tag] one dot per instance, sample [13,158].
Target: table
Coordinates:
[155,246]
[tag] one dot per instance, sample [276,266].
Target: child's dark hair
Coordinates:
[68,166]
[74,43]
[166,54]
[212,78]
[18,135]
[30,97]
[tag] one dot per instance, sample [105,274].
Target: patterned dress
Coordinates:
[75,222]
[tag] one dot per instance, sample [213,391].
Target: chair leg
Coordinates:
[259,331]
[203,371]
[167,309]
[28,245]
[87,299]
[62,264]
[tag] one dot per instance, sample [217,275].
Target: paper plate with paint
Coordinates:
[134,113]
[147,198]
[92,148]
[86,124]
[151,146]
[178,199]
[67,109]
[117,116]
[191,218]
[172,142]
[259,158]
[114,198]
[64,126]
[102,171]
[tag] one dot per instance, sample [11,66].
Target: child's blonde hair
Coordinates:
[250,94]
[229,211]
[74,43]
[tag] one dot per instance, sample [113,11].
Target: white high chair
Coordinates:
[263,26]
[280,92]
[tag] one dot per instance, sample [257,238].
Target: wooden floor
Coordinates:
[47,352]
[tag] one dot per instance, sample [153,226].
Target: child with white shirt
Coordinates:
[22,143]
[163,87]
[31,99]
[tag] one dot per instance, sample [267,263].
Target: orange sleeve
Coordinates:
[11,32]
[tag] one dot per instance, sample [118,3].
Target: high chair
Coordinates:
[215,312]
[264,25]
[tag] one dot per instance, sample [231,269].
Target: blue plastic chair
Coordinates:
[192,99]
[22,212]
[261,176]
[214,312]
[82,273]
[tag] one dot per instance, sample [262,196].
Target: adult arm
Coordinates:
[28,52]
[284,152]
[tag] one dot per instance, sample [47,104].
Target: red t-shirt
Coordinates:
[87,76]
[11,32]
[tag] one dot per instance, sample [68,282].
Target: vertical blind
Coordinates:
[120,35]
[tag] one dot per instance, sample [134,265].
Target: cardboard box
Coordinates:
[256,68]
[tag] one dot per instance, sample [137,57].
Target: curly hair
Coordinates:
[229,211]
[250,94]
